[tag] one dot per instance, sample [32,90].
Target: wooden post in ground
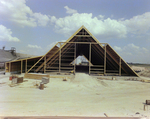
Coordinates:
[74,58]
[44,63]
[120,67]
[105,60]
[9,66]
[26,66]
[60,58]
[21,66]
[90,58]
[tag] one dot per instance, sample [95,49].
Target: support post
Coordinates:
[9,66]
[90,59]
[74,58]
[105,60]
[120,67]
[44,64]
[21,66]
[26,66]
[34,67]
[59,57]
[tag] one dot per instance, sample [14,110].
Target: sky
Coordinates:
[35,26]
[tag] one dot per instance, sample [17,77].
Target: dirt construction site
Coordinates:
[76,95]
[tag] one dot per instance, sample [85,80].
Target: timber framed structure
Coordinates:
[102,59]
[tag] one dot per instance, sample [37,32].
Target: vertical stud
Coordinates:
[9,66]
[21,66]
[26,66]
[120,67]
[74,58]
[44,64]
[59,57]
[105,60]
[90,58]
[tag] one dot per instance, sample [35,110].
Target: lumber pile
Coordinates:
[35,76]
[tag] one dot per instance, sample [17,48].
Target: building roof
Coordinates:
[6,56]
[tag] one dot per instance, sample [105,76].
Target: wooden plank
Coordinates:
[97,66]
[67,68]
[59,57]
[65,44]
[57,76]
[35,76]
[25,59]
[120,67]
[9,66]
[89,58]
[21,66]
[26,66]
[82,35]
[105,60]
[44,64]
[41,59]
[97,69]
[53,70]
[74,58]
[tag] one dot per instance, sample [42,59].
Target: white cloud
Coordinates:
[69,10]
[144,49]
[132,46]
[138,24]
[34,46]
[53,44]
[107,28]
[132,49]
[6,35]
[20,14]
[42,20]
[117,48]
[101,17]
[134,53]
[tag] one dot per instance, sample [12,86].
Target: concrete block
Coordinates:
[45,80]
[14,81]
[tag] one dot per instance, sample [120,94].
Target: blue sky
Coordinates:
[34,26]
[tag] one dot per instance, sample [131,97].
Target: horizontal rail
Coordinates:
[84,43]
[97,69]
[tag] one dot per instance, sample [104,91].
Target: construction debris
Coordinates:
[105,114]
[41,86]
[35,76]
[14,81]
[45,80]
[146,81]
[148,102]
[64,79]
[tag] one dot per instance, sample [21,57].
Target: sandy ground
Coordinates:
[80,95]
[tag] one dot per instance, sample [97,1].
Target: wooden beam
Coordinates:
[105,60]
[21,66]
[44,64]
[84,43]
[9,66]
[74,58]
[82,35]
[120,66]
[26,66]
[61,51]
[89,58]
[59,57]
[41,59]
[35,76]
